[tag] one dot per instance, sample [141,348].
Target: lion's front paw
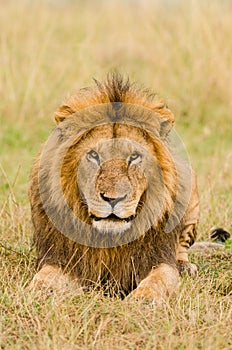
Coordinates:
[147,295]
[161,283]
[187,268]
[52,279]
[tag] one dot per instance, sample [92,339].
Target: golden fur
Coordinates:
[114,185]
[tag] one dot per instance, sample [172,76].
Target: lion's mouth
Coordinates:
[112,217]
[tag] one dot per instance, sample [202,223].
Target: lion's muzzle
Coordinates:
[117,196]
[112,201]
[113,183]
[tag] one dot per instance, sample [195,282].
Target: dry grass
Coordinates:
[183,51]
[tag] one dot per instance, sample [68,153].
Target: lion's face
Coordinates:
[107,178]
[111,178]
[112,183]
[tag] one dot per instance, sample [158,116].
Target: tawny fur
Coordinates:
[123,267]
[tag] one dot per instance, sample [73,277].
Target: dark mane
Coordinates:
[116,87]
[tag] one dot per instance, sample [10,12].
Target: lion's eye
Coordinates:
[134,158]
[93,155]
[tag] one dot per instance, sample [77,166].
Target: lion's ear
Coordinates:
[62,113]
[165,127]
[167,119]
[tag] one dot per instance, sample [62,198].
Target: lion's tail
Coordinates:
[218,235]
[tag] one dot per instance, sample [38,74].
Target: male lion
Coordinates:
[112,202]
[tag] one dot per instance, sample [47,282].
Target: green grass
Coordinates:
[48,50]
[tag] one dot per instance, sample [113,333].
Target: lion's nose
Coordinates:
[112,201]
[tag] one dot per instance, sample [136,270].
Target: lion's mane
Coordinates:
[123,266]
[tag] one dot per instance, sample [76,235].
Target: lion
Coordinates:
[113,206]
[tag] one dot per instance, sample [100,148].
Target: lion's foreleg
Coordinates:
[51,277]
[161,282]
[186,239]
[184,266]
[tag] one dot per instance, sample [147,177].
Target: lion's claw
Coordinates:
[187,268]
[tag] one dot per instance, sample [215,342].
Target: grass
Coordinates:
[182,51]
